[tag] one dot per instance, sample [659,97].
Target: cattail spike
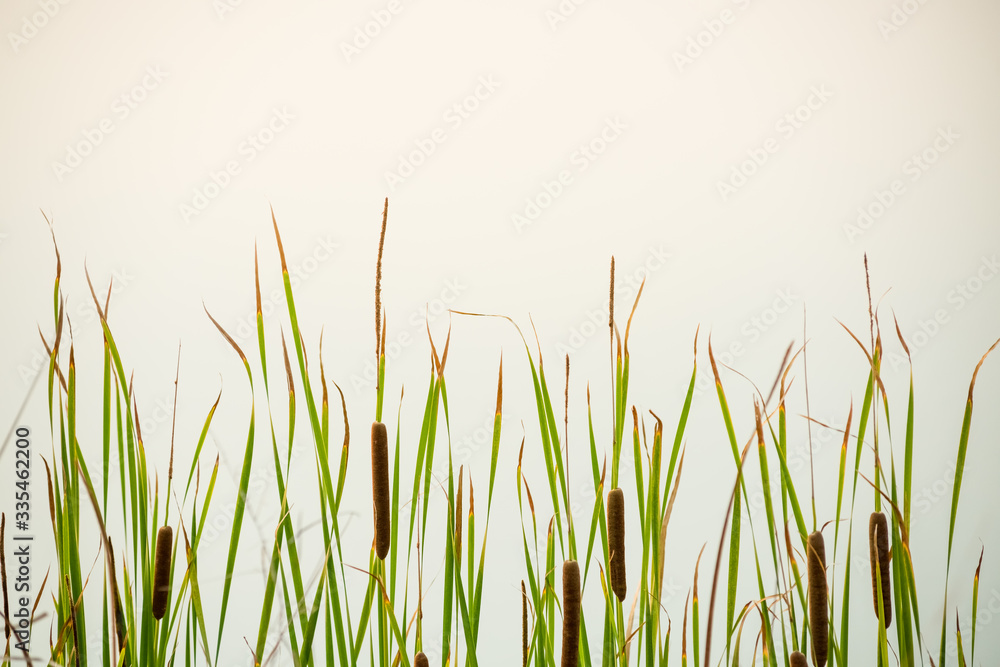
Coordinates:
[818,624]
[161,571]
[380,488]
[797,660]
[616,541]
[878,554]
[611,300]
[571,614]
[420,660]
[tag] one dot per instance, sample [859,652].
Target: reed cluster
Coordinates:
[156,610]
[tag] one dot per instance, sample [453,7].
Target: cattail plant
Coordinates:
[616,541]
[380,488]
[816,559]
[379,629]
[878,553]
[571,614]
[161,571]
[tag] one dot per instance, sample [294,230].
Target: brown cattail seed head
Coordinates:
[616,541]
[380,488]
[816,559]
[161,571]
[878,554]
[797,659]
[420,660]
[571,614]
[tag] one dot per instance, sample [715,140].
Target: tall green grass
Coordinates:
[153,600]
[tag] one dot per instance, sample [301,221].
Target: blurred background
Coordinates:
[742,157]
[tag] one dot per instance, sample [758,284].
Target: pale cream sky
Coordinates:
[742,156]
